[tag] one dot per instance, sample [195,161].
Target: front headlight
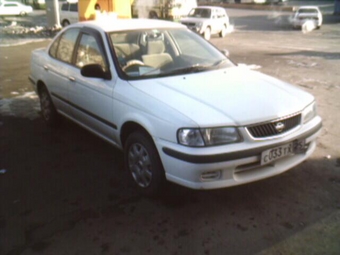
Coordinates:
[309,112]
[195,137]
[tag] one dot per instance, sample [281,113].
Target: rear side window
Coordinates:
[65,6]
[10,5]
[74,7]
[63,47]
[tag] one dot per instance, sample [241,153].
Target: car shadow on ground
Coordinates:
[305,53]
[60,178]
[276,21]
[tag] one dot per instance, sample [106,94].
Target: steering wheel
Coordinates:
[131,63]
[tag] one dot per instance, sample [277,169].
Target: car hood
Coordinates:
[232,96]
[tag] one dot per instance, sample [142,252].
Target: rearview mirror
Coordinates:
[95,71]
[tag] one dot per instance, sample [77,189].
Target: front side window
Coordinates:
[200,13]
[10,5]
[88,52]
[65,6]
[67,41]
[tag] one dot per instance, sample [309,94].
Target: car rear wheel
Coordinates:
[223,31]
[22,14]
[153,15]
[65,23]
[142,161]
[207,34]
[48,110]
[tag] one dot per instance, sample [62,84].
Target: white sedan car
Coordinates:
[179,108]
[307,14]
[14,8]
[207,20]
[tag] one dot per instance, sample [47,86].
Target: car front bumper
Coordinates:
[233,164]
[300,22]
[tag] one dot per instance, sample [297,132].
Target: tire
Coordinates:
[153,15]
[207,34]
[142,161]
[65,23]
[22,14]
[48,111]
[223,31]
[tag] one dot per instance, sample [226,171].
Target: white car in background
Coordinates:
[177,106]
[14,8]
[207,20]
[307,14]
[69,13]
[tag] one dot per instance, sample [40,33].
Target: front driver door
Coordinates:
[92,97]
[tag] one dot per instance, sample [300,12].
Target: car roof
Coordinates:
[308,7]
[208,7]
[111,24]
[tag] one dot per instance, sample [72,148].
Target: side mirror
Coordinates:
[95,71]
[225,52]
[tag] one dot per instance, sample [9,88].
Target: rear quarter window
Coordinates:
[74,7]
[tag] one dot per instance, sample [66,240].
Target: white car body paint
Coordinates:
[232,96]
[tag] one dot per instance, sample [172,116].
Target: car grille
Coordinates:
[308,18]
[274,128]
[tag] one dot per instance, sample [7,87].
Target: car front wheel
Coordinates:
[207,33]
[141,159]
[48,110]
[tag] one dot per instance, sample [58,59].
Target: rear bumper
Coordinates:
[225,166]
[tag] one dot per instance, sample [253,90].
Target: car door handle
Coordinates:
[72,78]
[46,67]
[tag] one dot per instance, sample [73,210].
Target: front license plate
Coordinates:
[282,151]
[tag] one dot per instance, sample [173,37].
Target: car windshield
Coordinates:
[314,11]
[164,52]
[200,13]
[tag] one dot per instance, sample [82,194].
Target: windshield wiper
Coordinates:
[219,62]
[190,69]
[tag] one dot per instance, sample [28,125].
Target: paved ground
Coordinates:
[64,191]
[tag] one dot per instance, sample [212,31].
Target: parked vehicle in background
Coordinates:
[162,9]
[207,20]
[177,106]
[307,14]
[69,13]
[270,1]
[14,8]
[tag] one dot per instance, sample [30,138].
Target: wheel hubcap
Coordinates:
[140,165]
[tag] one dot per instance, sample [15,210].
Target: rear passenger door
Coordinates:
[57,69]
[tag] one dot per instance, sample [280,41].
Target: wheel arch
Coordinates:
[63,22]
[128,128]
[153,14]
[40,86]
